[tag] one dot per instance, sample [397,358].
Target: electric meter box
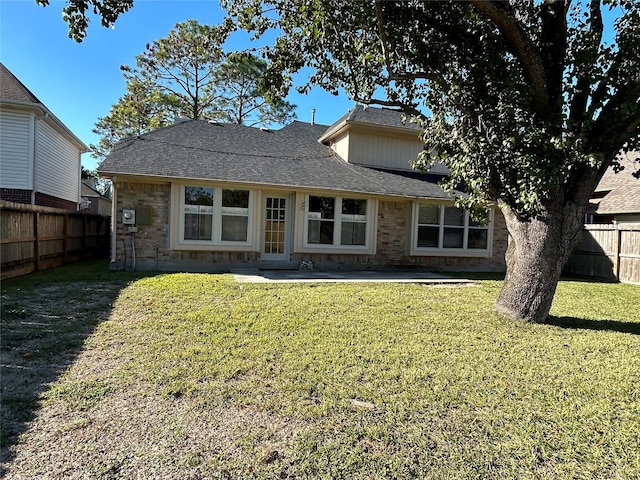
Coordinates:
[128,217]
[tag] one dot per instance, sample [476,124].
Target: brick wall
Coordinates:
[151,242]
[15,195]
[55,202]
[18,195]
[393,246]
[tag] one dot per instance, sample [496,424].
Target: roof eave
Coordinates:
[165,178]
[347,124]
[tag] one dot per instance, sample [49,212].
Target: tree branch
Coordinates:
[618,121]
[578,108]
[520,45]
[553,48]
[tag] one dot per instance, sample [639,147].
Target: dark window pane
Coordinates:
[234,229]
[198,196]
[453,216]
[428,237]
[477,238]
[453,238]
[197,227]
[354,206]
[429,214]
[353,233]
[323,205]
[320,232]
[235,198]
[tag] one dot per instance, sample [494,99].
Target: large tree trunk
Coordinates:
[537,252]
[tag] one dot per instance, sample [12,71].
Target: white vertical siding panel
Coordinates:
[15,151]
[386,151]
[341,147]
[383,151]
[57,164]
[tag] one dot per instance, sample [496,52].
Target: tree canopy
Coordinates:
[187,74]
[518,95]
[75,14]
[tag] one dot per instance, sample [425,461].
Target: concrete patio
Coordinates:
[341,276]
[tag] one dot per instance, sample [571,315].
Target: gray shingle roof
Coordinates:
[379,116]
[623,188]
[13,92]
[12,89]
[289,157]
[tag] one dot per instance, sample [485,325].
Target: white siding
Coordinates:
[15,149]
[57,164]
[394,152]
[386,151]
[341,147]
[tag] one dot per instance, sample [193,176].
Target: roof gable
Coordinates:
[13,89]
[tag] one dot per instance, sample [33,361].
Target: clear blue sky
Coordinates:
[79,82]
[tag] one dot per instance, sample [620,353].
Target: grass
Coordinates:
[206,377]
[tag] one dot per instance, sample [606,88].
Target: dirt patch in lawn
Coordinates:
[43,330]
[107,431]
[130,434]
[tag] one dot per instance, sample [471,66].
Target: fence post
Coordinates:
[84,235]
[65,229]
[617,245]
[36,240]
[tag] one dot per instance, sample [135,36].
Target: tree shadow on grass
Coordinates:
[46,317]
[598,325]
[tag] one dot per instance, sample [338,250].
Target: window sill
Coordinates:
[336,250]
[449,253]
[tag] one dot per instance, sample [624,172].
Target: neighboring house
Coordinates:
[609,247]
[202,196]
[617,196]
[92,200]
[39,155]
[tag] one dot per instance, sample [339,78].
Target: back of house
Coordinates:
[201,196]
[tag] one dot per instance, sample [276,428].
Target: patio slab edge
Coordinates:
[285,276]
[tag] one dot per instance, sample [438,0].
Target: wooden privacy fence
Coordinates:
[36,238]
[608,251]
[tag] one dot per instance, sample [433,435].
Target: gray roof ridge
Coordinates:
[227,152]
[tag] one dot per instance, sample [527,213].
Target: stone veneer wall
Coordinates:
[152,252]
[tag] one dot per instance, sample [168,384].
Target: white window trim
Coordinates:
[178,242]
[448,252]
[337,247]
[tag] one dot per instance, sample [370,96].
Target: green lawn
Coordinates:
[207,378]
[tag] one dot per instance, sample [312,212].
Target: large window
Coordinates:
[235,215]
[198,213]
[216,215]
[336,221]
[443,227]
